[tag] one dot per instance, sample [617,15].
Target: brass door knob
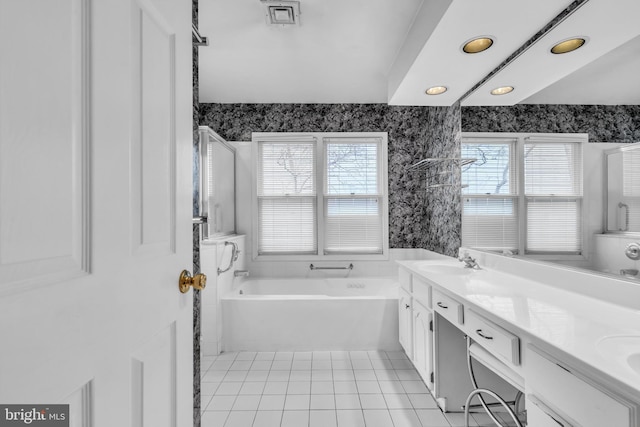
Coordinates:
[198,282]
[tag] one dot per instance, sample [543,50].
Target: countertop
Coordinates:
[574,323]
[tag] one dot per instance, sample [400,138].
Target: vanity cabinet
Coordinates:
[423,342]
[405,322]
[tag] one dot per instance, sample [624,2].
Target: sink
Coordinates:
[451,270]
[624,349]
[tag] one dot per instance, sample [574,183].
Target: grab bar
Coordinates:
[313,267]
[626,217]
[234,256]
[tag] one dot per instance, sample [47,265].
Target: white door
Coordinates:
[95,205]
[423,342]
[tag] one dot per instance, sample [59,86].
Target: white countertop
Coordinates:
[572,322]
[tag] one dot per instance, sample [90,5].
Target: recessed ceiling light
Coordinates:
[569,45]
[477,45]
[436,90]
[502,90]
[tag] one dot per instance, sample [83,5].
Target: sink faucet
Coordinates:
[468,261]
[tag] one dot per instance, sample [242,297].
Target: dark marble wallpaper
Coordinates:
[414,215]
[603,123]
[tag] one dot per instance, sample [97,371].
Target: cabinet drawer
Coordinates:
[572,396]
[448,307]
[405,279]
[497,340]
[421,291]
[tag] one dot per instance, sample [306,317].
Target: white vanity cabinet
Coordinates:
[556,391]
[405,322]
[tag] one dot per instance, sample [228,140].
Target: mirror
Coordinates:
[217,186]
[622,198]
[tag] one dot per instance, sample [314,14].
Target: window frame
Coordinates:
[321,195]
[522,198]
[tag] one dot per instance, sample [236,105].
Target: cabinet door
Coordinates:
[405,334]
[540,415]
[423,342]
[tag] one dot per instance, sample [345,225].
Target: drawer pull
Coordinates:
[486,337]
[441,305]
[407,306]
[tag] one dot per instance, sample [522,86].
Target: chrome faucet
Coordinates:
[468,261]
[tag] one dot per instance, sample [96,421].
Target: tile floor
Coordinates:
[319,389]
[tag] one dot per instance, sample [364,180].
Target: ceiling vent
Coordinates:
[282,13]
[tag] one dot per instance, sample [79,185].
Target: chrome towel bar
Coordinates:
[313,267]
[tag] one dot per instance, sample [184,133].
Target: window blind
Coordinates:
[630,190]
[490,223]
[287,217]
[352,205]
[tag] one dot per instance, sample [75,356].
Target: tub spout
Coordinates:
[240,273]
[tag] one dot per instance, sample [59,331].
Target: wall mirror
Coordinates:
[622,196]
[217,184]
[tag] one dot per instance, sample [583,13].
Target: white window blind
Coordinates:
[523,194]
[630,190]
[352,207]
[287,197]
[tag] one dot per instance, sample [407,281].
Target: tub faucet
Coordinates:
[468,261]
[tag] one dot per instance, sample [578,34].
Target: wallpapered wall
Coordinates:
[603,123]
[417,218]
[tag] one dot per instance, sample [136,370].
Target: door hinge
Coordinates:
[431,378]
[431,325]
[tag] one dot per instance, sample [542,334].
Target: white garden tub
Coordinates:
[311,314]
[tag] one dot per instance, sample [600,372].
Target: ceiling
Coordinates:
[381,51]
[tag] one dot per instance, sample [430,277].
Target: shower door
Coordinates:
[95,210]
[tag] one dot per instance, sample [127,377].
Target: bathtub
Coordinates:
[311,314]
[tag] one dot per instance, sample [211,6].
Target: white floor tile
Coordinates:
[347,401]
[359,355]
[404,418]
[391,387]
[302,355]
[204,401]
[414,387]
[246,403]
[273,402]
[281,365]
[322,387]
[301,365]
[381,364]
[377,418]
[377,355]
[386,374]
[408,375]
[240,419]
[261,365]
[322,401]
[396,355]
[457,419]
[295,419]
[278,375]
[343,375]
[300,376]
[398,401]
[372,401]
[299,387]
[229,389]
[246,355]
[297,402]
[252,387]
[214,418]
[275,387]
[213,376]
[345,387]
[321,355]
[322,418]
[422,401]
[365,375]
[340,355]
[235,376]
[401,364]
[321,364]
[368,387]
[265,355]
[361,364]
[227,356]
[432,418]
[209,388]
[221,403]
[257,376]
[283,355]
[221,365]
[322,375]
[350,418]
[267,419]
[341,364]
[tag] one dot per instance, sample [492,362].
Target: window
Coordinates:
[321,195]
[523,194]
